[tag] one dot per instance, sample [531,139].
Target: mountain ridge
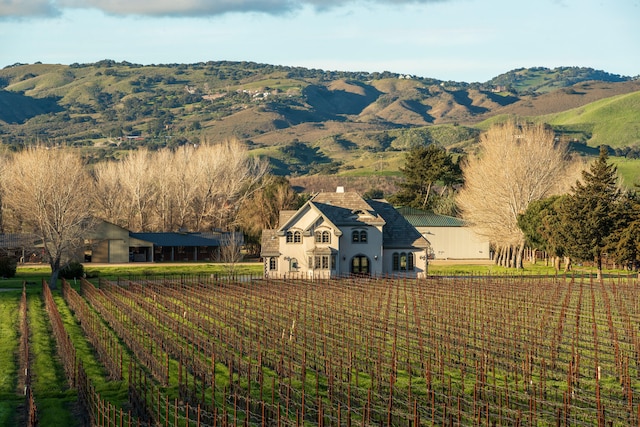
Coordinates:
[304,121]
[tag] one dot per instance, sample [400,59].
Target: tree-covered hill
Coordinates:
[305,121]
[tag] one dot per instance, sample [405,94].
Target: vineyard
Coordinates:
[476,350]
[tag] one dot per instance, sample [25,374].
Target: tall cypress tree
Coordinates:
[588,212]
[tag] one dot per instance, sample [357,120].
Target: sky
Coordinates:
[457,40]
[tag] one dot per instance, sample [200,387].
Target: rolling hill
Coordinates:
[306,121]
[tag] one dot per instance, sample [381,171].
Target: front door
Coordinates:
[360,265]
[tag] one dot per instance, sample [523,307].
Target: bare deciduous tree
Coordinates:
[515,166]
[49,189]
[192,188]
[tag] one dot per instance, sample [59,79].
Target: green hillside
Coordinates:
[305,121]
[612,121]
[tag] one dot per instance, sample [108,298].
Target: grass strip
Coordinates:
[56,402]
[9,399]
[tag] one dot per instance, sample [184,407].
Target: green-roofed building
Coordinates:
[450,237]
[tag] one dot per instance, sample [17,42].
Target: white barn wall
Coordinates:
[456,243]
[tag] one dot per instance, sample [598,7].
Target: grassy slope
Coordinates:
[613,121]
[628,170]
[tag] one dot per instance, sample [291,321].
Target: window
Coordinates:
[294,237]
[273,263]
[359,236]
[403,261]
[293,264]
[323,237]
[360,265]
[323,262]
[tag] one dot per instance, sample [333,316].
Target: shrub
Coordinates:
[72,270]
[7,267]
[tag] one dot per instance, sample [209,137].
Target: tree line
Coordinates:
[52,193]
[521,189]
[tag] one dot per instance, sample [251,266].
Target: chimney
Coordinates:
[340,189]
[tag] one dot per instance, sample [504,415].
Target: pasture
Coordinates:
[210,350]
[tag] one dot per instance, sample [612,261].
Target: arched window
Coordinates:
[323,237]
[294,237]
[403,261]
[396,261]
[410,261]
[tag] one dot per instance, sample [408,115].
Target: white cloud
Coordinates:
[183,8]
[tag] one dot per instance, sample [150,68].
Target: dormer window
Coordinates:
[294,237]
[359,236]
[323,236]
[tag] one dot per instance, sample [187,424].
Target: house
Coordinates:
[109,243]
[337,234]
[450,238]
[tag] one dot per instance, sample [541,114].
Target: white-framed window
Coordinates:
[273,263]
[323,236]
[294,237]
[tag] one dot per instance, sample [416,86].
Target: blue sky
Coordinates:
[460,40]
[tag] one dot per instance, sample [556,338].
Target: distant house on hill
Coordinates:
[450,237]
[337,234]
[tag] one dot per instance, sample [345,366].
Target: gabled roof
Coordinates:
[342,209]
[339,209]
[398,232]
[420,218]
[178,239]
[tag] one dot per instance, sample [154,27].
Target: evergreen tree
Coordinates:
[424,167]
[588,212]
[542,227]
[623,244]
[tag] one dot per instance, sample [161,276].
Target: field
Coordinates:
[449,350]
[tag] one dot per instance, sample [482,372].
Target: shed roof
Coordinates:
[178,239]
[269,243]
[420,218]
